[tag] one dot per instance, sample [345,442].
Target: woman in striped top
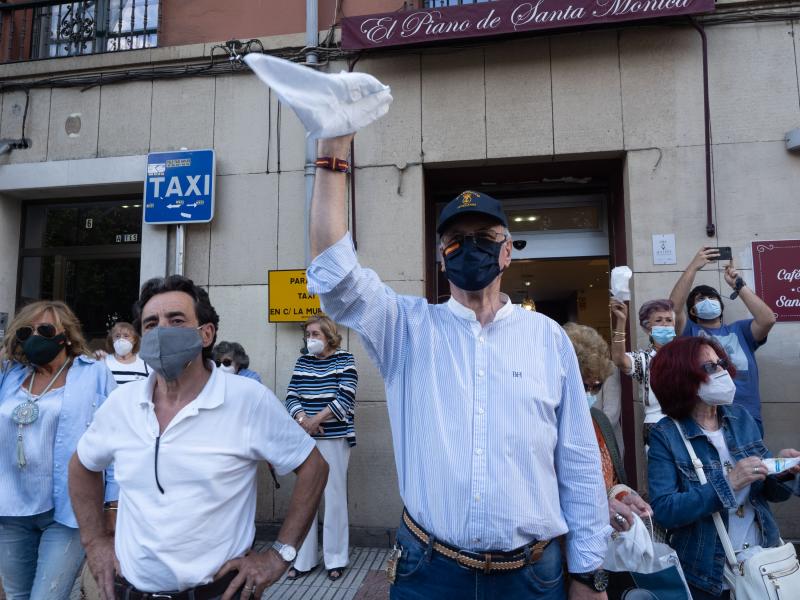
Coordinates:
[321,398]
[123,358]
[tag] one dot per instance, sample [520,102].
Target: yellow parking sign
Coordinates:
[289,298]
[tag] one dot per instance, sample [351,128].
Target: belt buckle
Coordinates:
[462,557]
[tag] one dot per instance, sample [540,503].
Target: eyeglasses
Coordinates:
[593,387]
[46,330]
[712,367]
[225,361]
[485,239]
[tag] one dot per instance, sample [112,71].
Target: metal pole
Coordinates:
[180,246]
[312,39]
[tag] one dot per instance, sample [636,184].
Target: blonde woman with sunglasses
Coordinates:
[49,391]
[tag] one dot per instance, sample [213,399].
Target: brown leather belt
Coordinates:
[486,562]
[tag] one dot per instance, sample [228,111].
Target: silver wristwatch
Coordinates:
[285,551]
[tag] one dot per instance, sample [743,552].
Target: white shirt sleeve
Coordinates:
[275,437]
[94,448]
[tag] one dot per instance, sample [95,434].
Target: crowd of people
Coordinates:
[142,459]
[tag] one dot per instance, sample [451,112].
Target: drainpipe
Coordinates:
[312,40]
[711,229]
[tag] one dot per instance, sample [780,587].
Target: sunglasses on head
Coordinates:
[593,387]
[712,367]
[227,362]
[46,330]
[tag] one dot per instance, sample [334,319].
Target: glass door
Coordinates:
[85,253]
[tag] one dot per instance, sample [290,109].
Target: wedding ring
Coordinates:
[619,518]
[755,469]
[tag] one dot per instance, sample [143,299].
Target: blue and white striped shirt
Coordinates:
[320,383]
[493,440]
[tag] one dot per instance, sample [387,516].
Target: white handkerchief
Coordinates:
[328,105]
[631,550]
[620,282]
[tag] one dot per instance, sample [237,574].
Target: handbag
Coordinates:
[640,567]
[766,573]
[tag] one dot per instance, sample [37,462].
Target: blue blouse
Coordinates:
[88,384]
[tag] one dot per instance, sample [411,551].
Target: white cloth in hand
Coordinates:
[328,105]
[620,283]
[631,550]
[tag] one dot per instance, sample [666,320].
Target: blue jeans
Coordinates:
[423,574]
[40,558]
[698,594]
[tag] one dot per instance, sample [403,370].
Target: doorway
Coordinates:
[85,253]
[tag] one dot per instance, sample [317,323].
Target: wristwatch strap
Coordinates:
[333,163]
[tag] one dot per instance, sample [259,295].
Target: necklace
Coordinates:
[27,412]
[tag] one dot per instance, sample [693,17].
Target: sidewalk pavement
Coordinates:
[364,579]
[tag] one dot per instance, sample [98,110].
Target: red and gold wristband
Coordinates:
[333,163]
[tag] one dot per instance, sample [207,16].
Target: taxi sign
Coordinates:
[289,298]
[179,187]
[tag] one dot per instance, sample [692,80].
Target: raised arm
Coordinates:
[763,317]
[328,218]
[680,293]
[619,315]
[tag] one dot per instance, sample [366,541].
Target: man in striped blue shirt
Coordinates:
[495,450]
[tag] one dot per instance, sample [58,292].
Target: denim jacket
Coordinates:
[88,384]
[684,507]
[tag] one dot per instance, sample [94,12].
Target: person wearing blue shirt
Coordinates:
[232,358]
[49,392]
[740,339]
[494,446]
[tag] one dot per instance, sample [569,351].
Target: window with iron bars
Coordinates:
[52,28]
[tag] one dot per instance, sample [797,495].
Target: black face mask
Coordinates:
[41,350]
[473,265]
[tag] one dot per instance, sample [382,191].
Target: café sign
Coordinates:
[503,17]
[776,267]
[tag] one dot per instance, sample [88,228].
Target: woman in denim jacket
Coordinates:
[49,391]
[692,379]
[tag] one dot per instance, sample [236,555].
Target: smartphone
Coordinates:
[724,253]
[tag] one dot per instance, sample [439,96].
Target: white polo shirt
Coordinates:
[207,462]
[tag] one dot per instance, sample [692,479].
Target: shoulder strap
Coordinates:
[607,432]
[701,476]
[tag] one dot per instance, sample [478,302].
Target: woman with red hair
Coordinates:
[692,378]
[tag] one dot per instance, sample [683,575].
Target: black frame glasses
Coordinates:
[46,330]
[483,239]
[712,367]
[224,362]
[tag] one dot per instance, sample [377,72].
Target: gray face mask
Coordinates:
[169,350]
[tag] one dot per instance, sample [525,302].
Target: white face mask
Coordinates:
[718,390]
[315,346]
[228,369]
[591,399]
[122,347]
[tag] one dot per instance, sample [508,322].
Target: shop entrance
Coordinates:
[86,253]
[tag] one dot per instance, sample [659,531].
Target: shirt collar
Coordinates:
[211,396]
[692,429]
[462,312]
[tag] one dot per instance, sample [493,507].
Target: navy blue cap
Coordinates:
[471,202]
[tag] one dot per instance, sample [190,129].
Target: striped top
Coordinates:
[127,372]
[330,382]
[28,490]
[493,441]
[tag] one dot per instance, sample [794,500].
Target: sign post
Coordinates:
[776,266]
[179,189]
[289,298]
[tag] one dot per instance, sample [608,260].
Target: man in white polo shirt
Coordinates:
[186,443]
